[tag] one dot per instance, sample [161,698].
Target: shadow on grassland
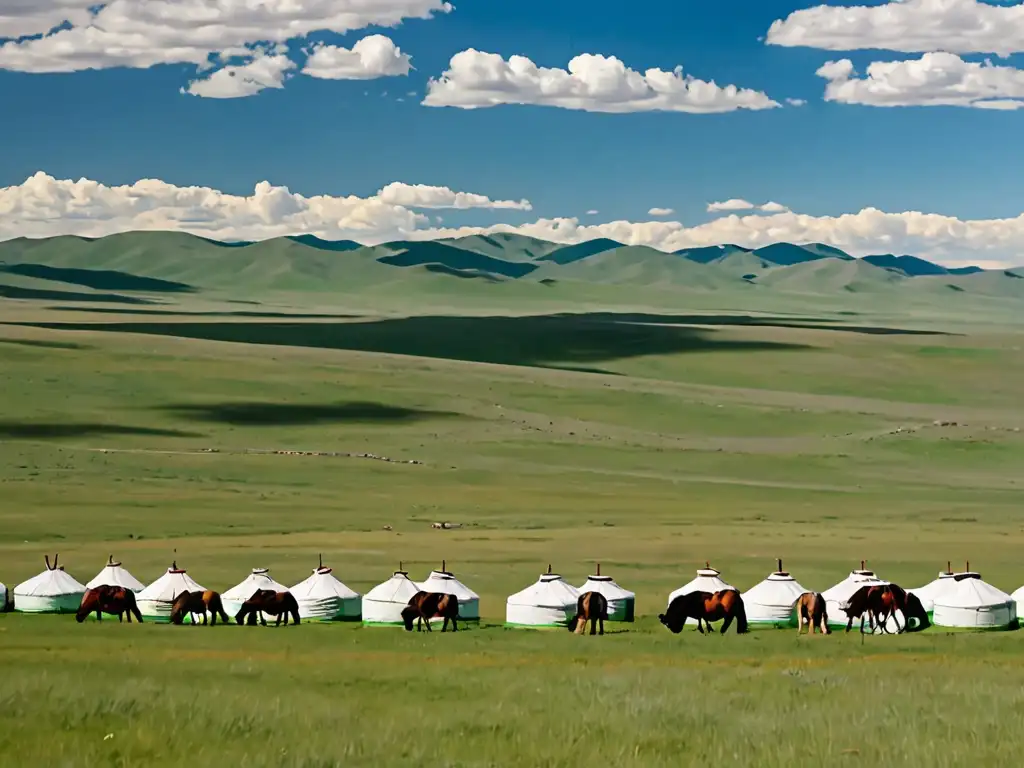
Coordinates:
[551,341]
[41,430]
[27,294]
[44,344]
[262,414]
[811,323]
[98,279]
[188,313]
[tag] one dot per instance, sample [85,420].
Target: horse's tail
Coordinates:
[293,607]
[741,616]
[133,605]
[218,606]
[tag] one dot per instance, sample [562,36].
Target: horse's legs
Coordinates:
[727,623]
[602,626]
[278,623]
[455,628]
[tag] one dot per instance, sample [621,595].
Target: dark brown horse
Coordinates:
[424,606]
[592,607]
[880,602]
[810,610]
[117,601]
[198,603]
[280,604]
[707,607]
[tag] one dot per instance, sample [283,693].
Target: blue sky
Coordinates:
[351,137]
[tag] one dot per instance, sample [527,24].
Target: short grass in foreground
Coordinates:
[729,442]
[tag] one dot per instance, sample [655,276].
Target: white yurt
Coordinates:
[707,580]
[836,597]
[1018,598]
[974,604]
[258,578]
[3,597]
[621,602]
[933,589]
[322,597]
[382,605]
[52,591]
[115,575]
[771,603]
[549,602]
[156,600]
[443,581]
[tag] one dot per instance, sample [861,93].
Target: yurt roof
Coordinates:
[322,583]
[259,578]
[607,586]
[52,582]
[857,579]
[440,581]
[398,589]
[115,575]
[779,585]
[549,591]
[971,592]
[171,584]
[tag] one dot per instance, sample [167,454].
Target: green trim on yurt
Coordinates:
[563,627]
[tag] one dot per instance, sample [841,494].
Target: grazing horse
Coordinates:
[880,602]
[116,601]
[707,607]
[423,606]
[810,610]
[195,603]
[592,607]
[280,604]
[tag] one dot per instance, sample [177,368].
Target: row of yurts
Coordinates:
[958,600]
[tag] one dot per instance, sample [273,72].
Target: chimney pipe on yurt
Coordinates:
[779,563]
[598,569]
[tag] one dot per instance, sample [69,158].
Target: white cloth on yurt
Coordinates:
[621,602]
[52,591]
[323,597]
[771,602]
[1018,598]
[3,597]
[974,604]
[383,604]
[836,597]
[707,580]
[444,582]
[115,575]
[156,600]
[934,589]
[549,602]
[259,578]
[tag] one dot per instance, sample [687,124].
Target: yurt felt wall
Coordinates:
[549,602]
[156,600]
[258,578]
[771,603]
[114,574]
[444,581]
[52,591]
[322,597]
[382,605]
[621,602]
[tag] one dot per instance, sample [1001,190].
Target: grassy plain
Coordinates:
[649,442]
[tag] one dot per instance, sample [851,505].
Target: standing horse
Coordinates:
[592,607]
[117,601]
[279,604]
[198,603]
[810,610]
[707,607]
[424,606]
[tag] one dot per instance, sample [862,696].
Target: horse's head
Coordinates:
[573,622]
[673,622]
[240,616]
[409,615]
[914,609]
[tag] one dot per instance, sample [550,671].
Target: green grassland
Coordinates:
[621,421]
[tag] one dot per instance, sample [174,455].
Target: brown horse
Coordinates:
[196,603]
[810,610]
[880,602]
[280,604]
[116,601]
[592,607]
[707,607]
[423,606]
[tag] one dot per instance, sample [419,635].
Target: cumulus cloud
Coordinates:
[44,206]
[373,56]
[772,207]
[234,82]
[909,26]
[738,204]
[592,82]
[660,212]
[936,79]
[796,102]
[424,196]
[144,33]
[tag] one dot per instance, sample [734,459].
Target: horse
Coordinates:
[880,602]
[725,604]
[592,607]
[280,604]
[194,603]
[423,606]
[810,610]
[116,601]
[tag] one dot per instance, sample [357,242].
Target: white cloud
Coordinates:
[593,212]
[144,33]
[373,56]
[796,102]
[592,82]
[660,212]
[735,204]
[936,79]
[234,82]
[44,206]
[772,207]
[908,26]
[424,196]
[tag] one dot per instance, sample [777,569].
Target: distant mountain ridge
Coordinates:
[169,262]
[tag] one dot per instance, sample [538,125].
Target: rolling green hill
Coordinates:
[827,275]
